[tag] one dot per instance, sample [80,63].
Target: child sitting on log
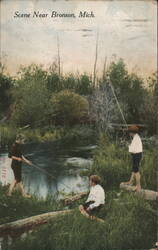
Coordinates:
[96,198]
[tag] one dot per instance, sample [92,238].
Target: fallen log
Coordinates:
[91,217]
[20,226]
[146,194]
[70,199]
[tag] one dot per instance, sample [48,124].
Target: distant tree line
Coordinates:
[40,97]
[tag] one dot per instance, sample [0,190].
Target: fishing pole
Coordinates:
[45,172]
[119,107]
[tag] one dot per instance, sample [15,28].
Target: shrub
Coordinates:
[68,107]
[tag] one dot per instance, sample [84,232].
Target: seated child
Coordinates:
[96,198]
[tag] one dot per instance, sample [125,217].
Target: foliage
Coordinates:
[6,83]
[68,107]
[31,97]
[7,135]
[17,207]
[148,169]
[130,221]
[40,98]
[129,90]
[103,108]
[122,229]
[113,163]
[150,111]
[80,84]
[27,98]
[77,134]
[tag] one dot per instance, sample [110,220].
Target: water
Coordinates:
[62,163]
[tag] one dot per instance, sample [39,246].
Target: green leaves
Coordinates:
[68,107]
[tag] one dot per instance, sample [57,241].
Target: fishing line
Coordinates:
[42,170]
[45,172]
[118,104]
[119,107]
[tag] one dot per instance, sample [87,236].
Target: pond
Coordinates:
[57,168]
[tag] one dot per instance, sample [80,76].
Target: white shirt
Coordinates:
[136,145]
[97,195]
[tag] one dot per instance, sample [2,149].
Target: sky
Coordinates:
[126,29]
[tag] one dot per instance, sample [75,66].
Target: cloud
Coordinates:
[120,32]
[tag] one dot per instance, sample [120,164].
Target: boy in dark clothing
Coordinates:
[17,158]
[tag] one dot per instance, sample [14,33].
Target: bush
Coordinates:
[79,135]
[69,108]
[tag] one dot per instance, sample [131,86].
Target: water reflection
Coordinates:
[65,177]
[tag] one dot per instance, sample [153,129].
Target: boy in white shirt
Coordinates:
[136,149]
[96,198]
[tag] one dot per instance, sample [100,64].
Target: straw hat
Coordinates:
[133,128]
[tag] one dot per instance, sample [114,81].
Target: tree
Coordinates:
[129,90]
[84,85]
[103,108]
[68,107]
[31,97]
[6,83]
[150,111]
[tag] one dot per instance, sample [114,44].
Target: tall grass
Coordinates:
[125,227]
[130,221]
[114,164]
[17,207]
[111,162]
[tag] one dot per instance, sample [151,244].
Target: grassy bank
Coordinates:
[17,207]
[129,224]
[130,221]
[113,163]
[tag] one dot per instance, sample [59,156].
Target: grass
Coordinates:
[113,163]
[17,207]
[130,221]
[122,229]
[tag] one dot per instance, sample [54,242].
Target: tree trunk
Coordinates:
[70,199]
[18,227]
[146,194]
